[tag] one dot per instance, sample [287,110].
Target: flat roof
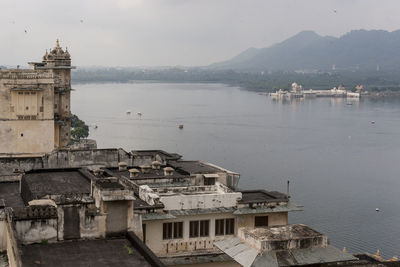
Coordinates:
[286,232]
[193,166]
[150,174]
[156,152]
[39,183]
[9,192]
[99,253]
[261,196]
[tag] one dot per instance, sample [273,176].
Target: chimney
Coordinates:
[156,165]
[122,166]
[168,171]
[145,168]
[287,189]
[98,172]
[133,173]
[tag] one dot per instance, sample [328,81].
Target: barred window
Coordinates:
[172,230]
[194,229]
[204,228]
[219,227]
[167,230]
[229,226]
[224,226]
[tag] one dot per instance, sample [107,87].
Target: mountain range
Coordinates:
[375,50]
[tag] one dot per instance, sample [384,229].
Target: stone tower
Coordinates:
[58,62]
[35,116]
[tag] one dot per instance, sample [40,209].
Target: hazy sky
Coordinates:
[174,32]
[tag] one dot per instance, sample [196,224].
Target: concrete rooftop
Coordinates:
[38,184]
[96,253]
[9,192]
[194,167]
[262,196]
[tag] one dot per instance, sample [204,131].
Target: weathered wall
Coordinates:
[14,259]
[154,234]
[147,160]
[26,136]
[204,197]
[64,159]
[117,216]
[34,231]
[274,219]
[3,235]
[92,225]
[26,111]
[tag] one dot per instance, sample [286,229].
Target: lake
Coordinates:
[340,165]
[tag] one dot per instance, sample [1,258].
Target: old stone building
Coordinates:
[35,105]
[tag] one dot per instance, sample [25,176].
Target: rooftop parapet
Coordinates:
[275,238]
[25,74]
[110,189]
[191,197]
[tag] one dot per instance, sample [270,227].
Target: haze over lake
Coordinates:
[341,166]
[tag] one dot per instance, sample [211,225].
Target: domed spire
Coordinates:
[57,43]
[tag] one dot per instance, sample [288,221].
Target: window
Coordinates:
[172,230]
[224,226]
[204,228]
[194,229]
[219,227]
[260,221]
[167,230]
[209,181]
[178,230]
[229,226]
[199,228]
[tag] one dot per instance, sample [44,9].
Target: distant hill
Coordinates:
[356,50]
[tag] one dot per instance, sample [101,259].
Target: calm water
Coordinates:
[341,166]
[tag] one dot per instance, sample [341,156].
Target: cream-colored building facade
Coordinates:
[35,105]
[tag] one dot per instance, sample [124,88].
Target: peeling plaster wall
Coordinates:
[205,201]
[64,159]
[26,111]
[92,226]
[34,231]
[27,136]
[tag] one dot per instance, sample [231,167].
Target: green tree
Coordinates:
[79,129]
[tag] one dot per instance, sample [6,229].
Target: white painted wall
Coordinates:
[154,233]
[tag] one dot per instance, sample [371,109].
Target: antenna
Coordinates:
[287,189]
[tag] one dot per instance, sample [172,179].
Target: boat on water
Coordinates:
[353,95]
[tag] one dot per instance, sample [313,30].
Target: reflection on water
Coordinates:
[341,166]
